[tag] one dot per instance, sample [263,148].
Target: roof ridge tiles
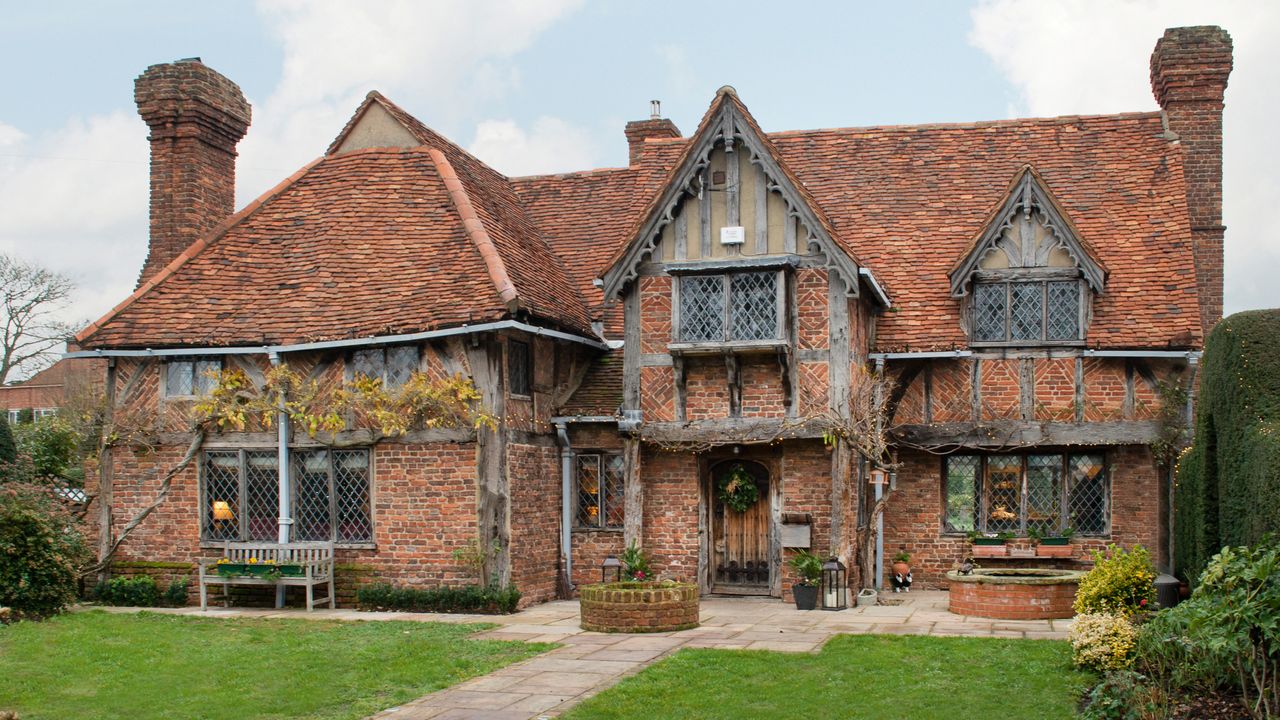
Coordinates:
[972,124]
[196,247]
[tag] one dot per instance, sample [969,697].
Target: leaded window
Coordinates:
[600,490]
[728,308]
[241,495]
[519,368]
[190,378]
[329,494]
[1026,312]
[392,365]
[1047,493]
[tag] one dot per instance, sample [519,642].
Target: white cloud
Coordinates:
[552,145]
[10,135]
[1091,56]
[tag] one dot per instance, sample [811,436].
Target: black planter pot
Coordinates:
[806,596]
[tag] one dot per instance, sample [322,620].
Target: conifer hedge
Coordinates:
[1228,487]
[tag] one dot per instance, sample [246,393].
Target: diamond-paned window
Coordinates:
[729,308]
[190,378]
[1088,493]
[222,495]
[330,495]
[519,368]
[702,308]
[961,491]
[1064,311]
[600,490]
[754,307]
[1021,493]
[392,365]
[1026,312]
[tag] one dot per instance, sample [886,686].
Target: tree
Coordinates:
[30,299]
[8,449]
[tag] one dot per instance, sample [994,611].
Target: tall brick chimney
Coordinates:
[1189,70]
[196,117]
[655,127]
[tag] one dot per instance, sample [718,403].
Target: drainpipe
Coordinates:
[879,495]
[282,455]
[566,503]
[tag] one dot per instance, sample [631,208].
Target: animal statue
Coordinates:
[900,582]
[967,566]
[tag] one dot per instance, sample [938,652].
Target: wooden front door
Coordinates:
[741,561]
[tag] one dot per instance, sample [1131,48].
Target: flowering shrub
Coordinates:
[1119,583]
[635,564]
[1101,641]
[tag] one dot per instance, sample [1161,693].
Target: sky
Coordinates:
[546,86]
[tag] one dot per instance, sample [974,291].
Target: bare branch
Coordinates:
[30,299]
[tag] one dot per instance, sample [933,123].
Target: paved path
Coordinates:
[589,662]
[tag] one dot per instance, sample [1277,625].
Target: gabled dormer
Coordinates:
[1029,279]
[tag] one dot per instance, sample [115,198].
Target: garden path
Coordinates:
[588,662]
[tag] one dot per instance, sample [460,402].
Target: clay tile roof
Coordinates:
[600,393]
[366,243]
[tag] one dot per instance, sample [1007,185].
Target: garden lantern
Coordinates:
[835,585]
[611,563]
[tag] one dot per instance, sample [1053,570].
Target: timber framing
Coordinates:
[728,124]
[1014,434]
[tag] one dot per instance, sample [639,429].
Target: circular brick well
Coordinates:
[1014,593]
[632,607]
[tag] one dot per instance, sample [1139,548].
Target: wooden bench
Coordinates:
[314,558]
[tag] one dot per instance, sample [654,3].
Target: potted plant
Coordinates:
[1054,545]
[989,544]
[808,568]
[901,579]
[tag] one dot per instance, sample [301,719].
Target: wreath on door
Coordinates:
[737,489]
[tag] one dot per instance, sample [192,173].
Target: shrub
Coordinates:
[54,446]
[40,551]
[140,591]
[468,598]
[1123,695]
[635,563]
[807,566]
[1120,582]
[1228,489]
[1103,641]
[176,594]
[8,448]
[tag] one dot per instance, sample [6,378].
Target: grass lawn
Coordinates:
[855,676]
[101,665]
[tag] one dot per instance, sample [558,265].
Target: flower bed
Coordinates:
[637,607]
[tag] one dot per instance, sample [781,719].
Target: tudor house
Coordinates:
[1028,287]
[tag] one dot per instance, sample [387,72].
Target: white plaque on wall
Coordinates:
[732,235]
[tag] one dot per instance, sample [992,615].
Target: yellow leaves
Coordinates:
[364,401]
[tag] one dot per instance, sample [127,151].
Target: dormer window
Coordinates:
[735,307]
[1029,279]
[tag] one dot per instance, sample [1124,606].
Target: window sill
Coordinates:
[735,347]
[220,544]
[1027,344]
[609,530]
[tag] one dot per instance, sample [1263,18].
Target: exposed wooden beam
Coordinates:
[762,210]
[632,493]
[1011,434]
[838,370]
[732,431]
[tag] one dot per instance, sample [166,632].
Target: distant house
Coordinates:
[705,315]
[42,394]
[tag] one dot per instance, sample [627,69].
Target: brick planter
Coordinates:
[639,607]
[1014,593]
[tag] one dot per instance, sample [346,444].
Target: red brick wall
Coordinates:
[1055,389]
[533,475]
[590,548]
[706,389]
[952,390]
[1104,389]
[811,304]
[913,520]
[806,488]
[1001,392]
[657,394]
[761,380]
[655,314]
[671,512]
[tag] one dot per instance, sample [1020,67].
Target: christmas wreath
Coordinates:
[738,489]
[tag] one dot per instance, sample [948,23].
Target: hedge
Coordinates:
[469,598]
[1228,487]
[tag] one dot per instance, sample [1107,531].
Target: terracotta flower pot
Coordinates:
[901,568]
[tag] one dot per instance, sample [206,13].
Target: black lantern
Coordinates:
[611,563]
[835,585]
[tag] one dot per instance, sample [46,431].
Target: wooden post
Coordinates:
[840,357]
[631,349]
[1079,399]
[105,475]
[1027,388]
[840,480]
[704,214]
[761,210]
[493,509]
[633,493]
[733,193]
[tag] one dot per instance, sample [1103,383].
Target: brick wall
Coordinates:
[806,488]
[533,474]
[1055,388]
[671,512]
[913,520]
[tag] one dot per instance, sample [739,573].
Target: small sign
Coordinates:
[795,536]
[732,235]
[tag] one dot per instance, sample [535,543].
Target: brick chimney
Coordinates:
[655,127]
[1189,70]
[196,117]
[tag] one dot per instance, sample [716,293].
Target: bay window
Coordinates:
[735,307]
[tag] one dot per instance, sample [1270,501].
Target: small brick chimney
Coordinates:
[1189,70]
[655,127]
[196,117]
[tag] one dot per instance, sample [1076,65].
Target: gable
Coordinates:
[1028,231]
[729,177]
[374,126]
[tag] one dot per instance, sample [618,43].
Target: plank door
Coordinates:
[740,557]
